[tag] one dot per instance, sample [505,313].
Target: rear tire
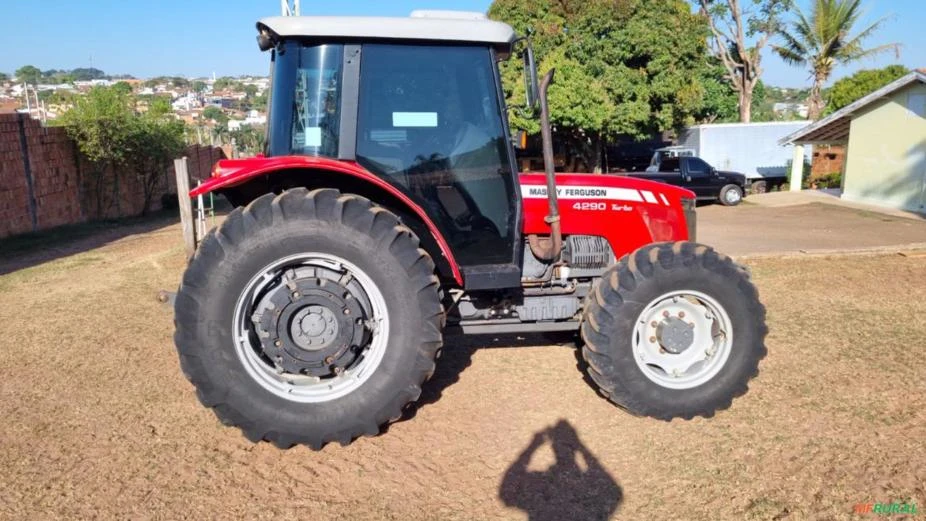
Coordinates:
[348,258]
[639,314]
[759,187]
[731,195]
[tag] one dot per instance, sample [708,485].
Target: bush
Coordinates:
[830,180]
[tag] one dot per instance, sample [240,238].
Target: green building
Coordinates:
[885,138]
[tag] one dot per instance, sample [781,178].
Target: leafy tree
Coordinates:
[199,87]
[720,101]
[622,67]
[223,83]
[249,140]
[215,114]
[113,136]
[822,40]
[87,74]
[123,87]
[29,74]
[250,90]
[100,124]
[859,85]
[4,77]
[259,103]
[153,142]
[180,82]
[738,35]
[160,105]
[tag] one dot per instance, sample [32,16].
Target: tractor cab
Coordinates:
[415,101]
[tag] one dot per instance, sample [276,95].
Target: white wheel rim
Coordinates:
[658,332]
[299,387]
[733,195]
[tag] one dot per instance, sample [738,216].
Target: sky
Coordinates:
[147,38]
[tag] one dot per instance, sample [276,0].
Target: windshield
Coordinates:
[305,100]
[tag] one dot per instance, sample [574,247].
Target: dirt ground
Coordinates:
[98,421]
[750,229]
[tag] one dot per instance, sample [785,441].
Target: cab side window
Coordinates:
[698,168]
[670,165]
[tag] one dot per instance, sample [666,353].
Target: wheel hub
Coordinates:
[682,339]
[675,335]
[314,328]
[311,322]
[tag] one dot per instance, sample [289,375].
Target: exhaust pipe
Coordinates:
[548,248]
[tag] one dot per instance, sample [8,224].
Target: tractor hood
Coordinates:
[625,210]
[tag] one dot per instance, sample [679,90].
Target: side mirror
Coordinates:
[519,140]
[530,77]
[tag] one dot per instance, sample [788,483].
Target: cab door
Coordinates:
[699,177]
[431,122]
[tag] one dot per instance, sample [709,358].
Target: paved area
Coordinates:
[806,223]
[826,196]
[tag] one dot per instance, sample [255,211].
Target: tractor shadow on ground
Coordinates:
[457,355]
[575,486]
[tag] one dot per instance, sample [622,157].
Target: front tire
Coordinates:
[309,317]
[673,331]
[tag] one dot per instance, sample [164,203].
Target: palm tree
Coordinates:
[823,41]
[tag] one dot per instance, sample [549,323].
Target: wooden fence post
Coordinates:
[186,205]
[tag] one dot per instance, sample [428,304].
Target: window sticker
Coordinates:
[313,137]
[414,119]
[389,136]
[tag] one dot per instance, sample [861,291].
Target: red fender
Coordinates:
[232,172]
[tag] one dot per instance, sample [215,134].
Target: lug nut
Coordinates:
[665,314]
[346,311]
[329,360]
[653,324]
[278,343]
[681,314]
[652,339]
[296,294]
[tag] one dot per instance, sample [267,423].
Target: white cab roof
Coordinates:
[441,26]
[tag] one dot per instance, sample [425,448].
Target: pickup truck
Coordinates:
[693,173]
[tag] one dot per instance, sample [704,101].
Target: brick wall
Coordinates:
[15,216]
[827,159]
[65,187]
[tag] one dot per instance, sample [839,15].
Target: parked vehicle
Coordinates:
[661,154]
[388,212]
[693,173]
[749,148]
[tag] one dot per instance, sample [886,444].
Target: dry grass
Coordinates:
[98,420]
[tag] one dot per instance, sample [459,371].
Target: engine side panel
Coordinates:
[628,212]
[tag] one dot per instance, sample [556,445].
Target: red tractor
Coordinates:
[388,211]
